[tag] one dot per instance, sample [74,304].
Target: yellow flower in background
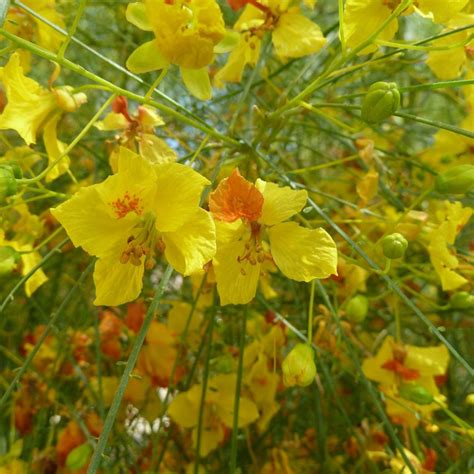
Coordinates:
[449,63]
[218,410]
[31,108]
[452,217]
[27,228]
[186,33]
[21,23]
[293,36]
[363,17]
[396,365]
[131,216]
[137,132]
[251,230]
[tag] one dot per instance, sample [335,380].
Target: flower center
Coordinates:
[144,242]
[254,251]
[128,203]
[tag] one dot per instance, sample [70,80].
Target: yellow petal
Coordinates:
[156,150]
[362,18]
[178,191]
[447,64]
[296,36]
[236,281]
[372,366]
[29,261]
[146,58]
[112,121]
[117,283]
[136,15]
[246,52]
[442,10]
[367,187]
[248,411]
[428,360]
[303,254]
[184,409]
[280,203]
[55,149]
[197,82]
[193,245]
[88,222]
[29,105]
[211,437]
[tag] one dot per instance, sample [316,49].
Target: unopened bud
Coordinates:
[457,180]
[8,259]
[462,300]
[415,393]
[357,308]
[394,246]
[299,367]
[68,101]
[79,456]
[381,101]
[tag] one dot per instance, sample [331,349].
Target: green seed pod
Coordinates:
[457,180]
[415,393]
[462,300]
[78,457]
[299,367]
[357,308]
[8,259]
[394,246]
[381,101]
[8,184]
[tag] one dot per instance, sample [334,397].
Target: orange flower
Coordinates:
[236,198]
[69,438]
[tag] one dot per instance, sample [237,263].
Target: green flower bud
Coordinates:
[299,367]
[381,101]
[394,246]
[462,300]
[8,259]
[15,167]
[223,364]
[357,308]
[415,393]
[457,180]
[78,457]
[8,184]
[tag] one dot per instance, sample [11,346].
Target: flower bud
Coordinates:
[415,393]
[457,180]
[470,399]
[394,246]
[8,184]
[299,367]
[68,101]
[357,308]
[461,300]
[8,259]
[79,456]
[381,101]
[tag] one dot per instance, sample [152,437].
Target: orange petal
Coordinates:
[235,198]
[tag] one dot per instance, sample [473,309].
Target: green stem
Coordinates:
[72,30]
[238,386]
[112,413]
[203,394]
[310,313]
[436,124]
[157,82]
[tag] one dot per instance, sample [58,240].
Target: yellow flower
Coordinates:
[186,33]
[127,218]
[218,410]
[395,365]
[448,63]
[137,133]
[453,217]
[251,230]
[293,36]
[31,108]
[363,17]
